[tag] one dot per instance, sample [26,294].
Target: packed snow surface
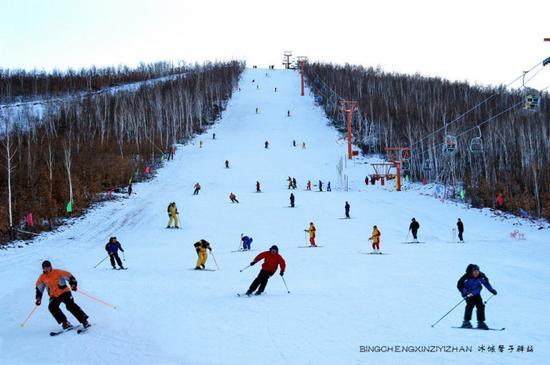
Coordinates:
[340,299]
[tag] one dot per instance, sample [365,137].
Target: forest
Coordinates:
[500,151]
[79,150]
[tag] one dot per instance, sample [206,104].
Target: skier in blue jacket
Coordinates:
[470,286]
[112,248]
[247,242]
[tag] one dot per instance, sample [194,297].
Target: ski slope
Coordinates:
[340,299]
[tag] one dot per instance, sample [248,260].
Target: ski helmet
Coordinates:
[471,267]
[274,247]
[46,264]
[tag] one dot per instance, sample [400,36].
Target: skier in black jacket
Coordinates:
[291,200]
[413,227]
[470,286]
[460,227]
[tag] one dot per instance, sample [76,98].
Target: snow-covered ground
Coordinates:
[340,299]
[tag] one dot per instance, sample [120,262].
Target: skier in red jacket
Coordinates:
[272,259]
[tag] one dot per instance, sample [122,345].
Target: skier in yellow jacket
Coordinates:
[201,247]
[173,216]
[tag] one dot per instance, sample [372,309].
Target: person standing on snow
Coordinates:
[470,285]
[197,189]
[308,186]
[293,183]
[303,145]
[55,282]
[375,238]
[247,242]
[233,198]
[289,180]
[413,227]
[346,207]
[272,260]
[311,232]
[320,185]
[294,142]
[172,216]
[112,248]
[266,144]
[288,113]
[226,164]
[201,247]
[291,200]
[328,187]
[258,187]
[460,227]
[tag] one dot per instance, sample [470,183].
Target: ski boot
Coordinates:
[482,326]
[86,324]
[66,325]
[248,293]
[198,268]
[258,293]
[466,324]
[203,267]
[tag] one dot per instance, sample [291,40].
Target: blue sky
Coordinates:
[479,41]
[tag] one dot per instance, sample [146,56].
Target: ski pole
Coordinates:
[29,316]
[305,237]
[284,281]
[459,303]
[407,236]
[217,267]
[488,299]
[239,247]
[245,268]
[123,258]
[101,261]
[96,299]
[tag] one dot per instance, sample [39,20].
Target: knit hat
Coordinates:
[470,268]
[46,264]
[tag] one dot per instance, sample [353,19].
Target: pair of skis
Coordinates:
[79,329]
[482,329]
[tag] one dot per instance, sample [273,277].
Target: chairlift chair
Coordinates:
[476,143]
[426,165]
[450,145]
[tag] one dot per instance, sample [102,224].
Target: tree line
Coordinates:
[509,168]
[20,85]
[57,166]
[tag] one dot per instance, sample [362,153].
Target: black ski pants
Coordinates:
[113,257]
[260,281]
[347,213]
[472,302]
[67,299]
[414,231]
[460,235]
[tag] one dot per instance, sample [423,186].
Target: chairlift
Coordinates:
[476,143]
[450,145]
[427,165]
[531,100]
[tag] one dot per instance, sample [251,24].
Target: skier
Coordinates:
[226,164]
[375,238]
[233,198]
[308,186]
[55,281]
[303,145]
[320,185]
[294,142]
[413,227]
[275,89]
[346,207]
[311,232]
[173,216]
[291,200]
[272,260]
[130,189]
[289,182]
[266,144]
[112,248]
[201,247]
[460,227]
[258,187]
[328,187]
[293,183]
[470,286]
[213,135]
[197,189]
[288,113]
[200,144]
[247,242]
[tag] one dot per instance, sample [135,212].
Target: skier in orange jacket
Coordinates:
[55,282]
[375,238]
[311,232]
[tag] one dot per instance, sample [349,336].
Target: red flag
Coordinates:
[29,219]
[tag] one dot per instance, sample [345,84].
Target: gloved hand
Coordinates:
[210,248]
[494,292]
[38,301]
[252,263]
[198,250]
[282,273]
[73,287]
